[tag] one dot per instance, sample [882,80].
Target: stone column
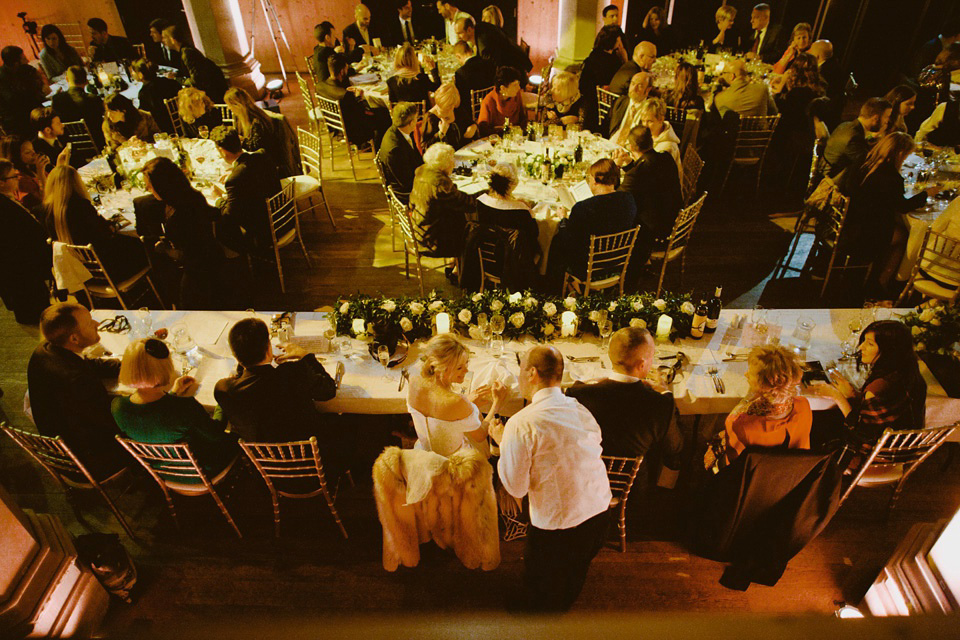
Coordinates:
[218,31]
[576,29]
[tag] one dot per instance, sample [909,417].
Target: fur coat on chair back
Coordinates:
[422,496]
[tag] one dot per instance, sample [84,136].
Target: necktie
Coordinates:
[408,35]
[756,42]
[626,125]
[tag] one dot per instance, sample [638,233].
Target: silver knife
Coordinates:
[339,374]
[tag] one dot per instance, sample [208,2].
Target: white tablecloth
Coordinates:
[921,219]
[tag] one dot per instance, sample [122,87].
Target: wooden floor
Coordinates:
[204,574]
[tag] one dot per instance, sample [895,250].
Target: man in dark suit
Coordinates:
[21,91]
[24,253]
[244,225]
[49,130]
[105,47]
[475,73]
[362,122]
[328,45]
[490,42]
[398,153]
[625,112]
[267,403]
[835,78]
[598,70]
[403,28]
[644,55]
[201,72]
[931,49]
[847,147]
[67,394]
[651,178]
[764,40]
[157,52]
[356,35]
[636,417]
[76,104]
[154,93]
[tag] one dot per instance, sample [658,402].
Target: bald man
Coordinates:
[356,35]
[637,417]
[835,78]
[741,95]
[550,451]
[644,55]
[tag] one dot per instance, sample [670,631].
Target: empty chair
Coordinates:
[309,184]
[310,105]
[607,263]
[752,141]
[102,285]
[291,463]
[284,227]
[936,274]
[677,240]
[621,472]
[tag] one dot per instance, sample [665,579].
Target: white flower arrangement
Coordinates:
[517,319]
[345,308]
[570,303]
[465,316]
[416,308]
[549,309]
[436,305]
[496,305]
[405,324]
[638,323]
[389,306]
[687,308]
[660,304]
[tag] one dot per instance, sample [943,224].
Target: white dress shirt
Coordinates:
[451,26]
[550,451]
[403,30]
[760,37]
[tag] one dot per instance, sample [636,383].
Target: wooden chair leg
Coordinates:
[156,293]
[326,205]
[333,512]
[276,516]
[276,253]
[226,514]
[622,524]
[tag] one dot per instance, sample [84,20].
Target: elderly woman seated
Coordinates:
[771,414]
[410,83]
[499,208]
[122,121]
[196,111]
[504,105]
[727,37]
[564,105]
[441,123]
[439,208]
[653,114]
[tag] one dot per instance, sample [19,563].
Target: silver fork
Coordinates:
[717,382]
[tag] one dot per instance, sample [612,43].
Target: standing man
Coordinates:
[611,18]
[327,46]
[77,104]
[451,15]
[763,41]
[490,42]
[105,47]
[202,72]
[401,30]
[550,451]
[24,253]
[22,90]
[398,153]
[475,73]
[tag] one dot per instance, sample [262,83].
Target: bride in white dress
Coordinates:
[444,419]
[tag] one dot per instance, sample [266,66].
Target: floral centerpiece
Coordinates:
[936,330]
[526,313]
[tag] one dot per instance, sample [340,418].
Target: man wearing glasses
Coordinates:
[24,253]
[742,96]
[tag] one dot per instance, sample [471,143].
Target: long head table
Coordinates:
[365,389]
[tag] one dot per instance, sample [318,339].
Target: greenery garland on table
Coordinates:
[526,314]
[936,329]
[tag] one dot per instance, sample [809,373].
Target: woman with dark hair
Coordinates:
[800,40]
[894,394]
[188,227]
[56,54]
[31,165]
[504,105]
[499,208]
[656,30]
[122,121]
[686,88]
[904,100]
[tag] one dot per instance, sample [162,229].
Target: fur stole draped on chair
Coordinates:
[422,496]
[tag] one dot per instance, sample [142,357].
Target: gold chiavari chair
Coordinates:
[607,263]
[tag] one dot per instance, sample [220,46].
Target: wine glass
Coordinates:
[146,322]
[204,131]
[497,324]
[182,344]
[606,330]
[383,355]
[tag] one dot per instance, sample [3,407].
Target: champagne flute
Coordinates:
[146,322]
[606,330]
[383,355]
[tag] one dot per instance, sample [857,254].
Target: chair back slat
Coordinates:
[605,100]
[609,253]
[332,116]
[285,460]
[683,225]
[621,472]
[226,115]
[52,453]
[491,267]
[753,136]
[476,98]
[173,110]
[940,257]
[311,153]
[170,462]
[140,49]
[677,119]
[74,36]
[78,135]
[692,166]
[281,210]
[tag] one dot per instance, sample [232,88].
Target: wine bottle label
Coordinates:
[712,323]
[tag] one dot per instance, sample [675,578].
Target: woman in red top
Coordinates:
[504,105]
[772,414]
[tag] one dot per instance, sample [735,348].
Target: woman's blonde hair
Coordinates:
[442,353]
[63,183]
[406,59]
[726,11]
[655,107]
[565,83]
[245,111]
[142,370]
[892,148]
[492,15]
[192,103]
[776,368]
[447,97]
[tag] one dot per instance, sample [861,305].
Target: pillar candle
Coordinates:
[664,324]
[568,324]
[443,322]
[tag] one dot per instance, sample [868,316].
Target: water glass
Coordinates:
[606,330]
[804,331]
[496,345]
[145,322]
[497,324]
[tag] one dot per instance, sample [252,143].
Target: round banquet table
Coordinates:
[943,169]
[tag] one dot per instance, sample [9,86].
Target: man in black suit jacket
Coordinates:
[202,72]
[267,403]
[67,394]
[644,55]
[157,52]
[403,28]
[847,147]
[398,153]
[836,81]
[598,70]
[636,417]
[154,93]
[490,42]
[625,112]
[475,73]
[362,122]
[105,47]
[244,224]
[24,253]
[356,35]
[763,41]
[652,179]
[76,104]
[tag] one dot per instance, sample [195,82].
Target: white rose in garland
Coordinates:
[548,329]
[345,308]
[637,304]
[358,325]
[570,302]
[389,306]
[613,306]
[474,332]
[476,297]
[638,323]
[465,316]
[687,308]
[517,319]
[927,315]
[496,305]
[416,308]
[530,302]
[514,298]
[593,316]
[405,324]
[660,304]
[436,305]
[549,309]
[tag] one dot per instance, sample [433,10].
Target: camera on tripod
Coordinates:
[29,26]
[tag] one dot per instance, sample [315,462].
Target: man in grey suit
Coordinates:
[847,147]
[625,112]
[742,96]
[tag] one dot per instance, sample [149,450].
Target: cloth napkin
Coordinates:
[68,271]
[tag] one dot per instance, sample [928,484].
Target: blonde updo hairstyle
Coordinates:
[141,368]
[441,354]
[774,368]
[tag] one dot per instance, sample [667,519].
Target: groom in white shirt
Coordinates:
[550,451]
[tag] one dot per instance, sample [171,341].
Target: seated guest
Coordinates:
[791,146]
[163,410]
[198,70]
[123,121]
[636,417]
[154,93]
[328,45]
[244,224]
[187,225]
[874,229]
[105,47]
[653,113]
[894,394]
[742,96]
[362,122]
[625,112]
[656,31]
[836,81]
[490,42]
[771,414]
[24,253]
[903,100]
[67,393]
[76,104]
[686,88]
[22,90]
[503,106]
[157,52]
[599,69]
[564,105]
[443,122]
[800,40]
[847,148]
[475,73]
[256,128]
[31,166]
[942,128]
[439,208]
[404,29]
[356,35]
[550,451]
[727,39]
[644,55]
[763,44]
[398,153]
[651,178]
[410,83]
[444,419]
[197,110]
[72,218]
[56,54]
[49,129]
[492,15]
[499,208]
[927,54]
[273,398]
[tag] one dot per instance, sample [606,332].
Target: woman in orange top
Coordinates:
[771,415]
[504,105]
